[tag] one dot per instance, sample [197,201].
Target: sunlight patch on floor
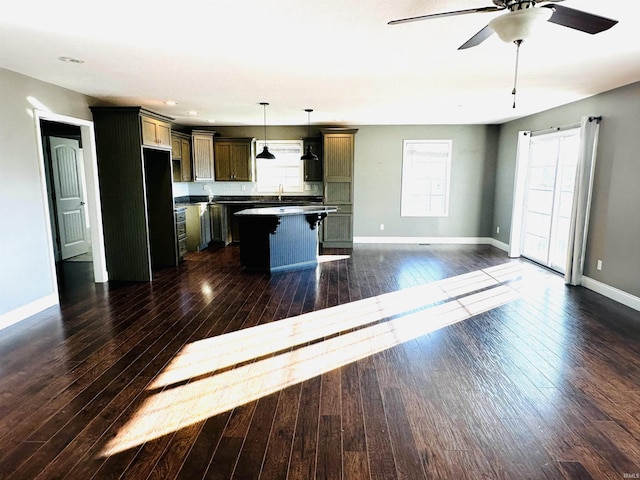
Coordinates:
[411,313]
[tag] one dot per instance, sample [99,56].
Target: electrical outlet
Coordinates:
[382,226]
[599,265]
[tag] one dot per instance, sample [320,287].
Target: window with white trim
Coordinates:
[285,173]
[426,175]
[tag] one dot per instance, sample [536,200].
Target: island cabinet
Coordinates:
[313,168]
[338,157]
[136,195]
[203,156]
[280,238]
[234,159]
[156,132]
[181,157]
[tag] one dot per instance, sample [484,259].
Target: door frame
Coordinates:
[93,204]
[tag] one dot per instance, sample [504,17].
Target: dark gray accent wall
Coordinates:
[614,232]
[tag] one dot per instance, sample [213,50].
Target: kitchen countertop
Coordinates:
[286,210]
[251,200]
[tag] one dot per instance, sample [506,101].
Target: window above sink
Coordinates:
[285,173]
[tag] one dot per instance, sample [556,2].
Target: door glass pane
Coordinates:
[549,198]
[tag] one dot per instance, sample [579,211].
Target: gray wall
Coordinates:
[614,233]
[25,269]
[378,181]
[378,177]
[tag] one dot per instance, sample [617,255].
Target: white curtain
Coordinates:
[589,128]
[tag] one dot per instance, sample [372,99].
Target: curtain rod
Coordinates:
[558,129]
[551,129]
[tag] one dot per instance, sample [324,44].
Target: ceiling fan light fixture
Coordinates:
[265,150]
[518,24]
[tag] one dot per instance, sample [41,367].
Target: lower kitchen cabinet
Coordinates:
[219,224]
[181,231]
[198,227]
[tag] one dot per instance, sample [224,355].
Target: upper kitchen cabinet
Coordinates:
[202,143]
[234,159]
[156,131]
[181,156]
[136,195]
[313,168]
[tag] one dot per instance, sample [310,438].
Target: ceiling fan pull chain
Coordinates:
[515,80]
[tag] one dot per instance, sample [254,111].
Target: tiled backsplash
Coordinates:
[181,189]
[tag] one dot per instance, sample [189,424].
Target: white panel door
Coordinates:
[66,162]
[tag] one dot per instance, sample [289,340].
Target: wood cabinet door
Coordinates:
[223,161]
[163,134]
[338,168]
[185,159]
[241,162]
[176,148]
[203,158]
[148,131]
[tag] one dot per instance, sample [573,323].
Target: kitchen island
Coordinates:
[280,238]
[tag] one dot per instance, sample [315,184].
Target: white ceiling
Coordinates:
[339,57]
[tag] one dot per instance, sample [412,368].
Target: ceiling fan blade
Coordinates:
[445,14]
[579,20]
[478,38]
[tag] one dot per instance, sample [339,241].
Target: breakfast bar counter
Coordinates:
[280,238]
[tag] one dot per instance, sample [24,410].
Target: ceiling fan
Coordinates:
[521,18]
[517,24]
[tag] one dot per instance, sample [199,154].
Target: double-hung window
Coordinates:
[426,174]
[285,173]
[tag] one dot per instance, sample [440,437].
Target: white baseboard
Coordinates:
[434,240]
[501,245]
[612,293]
[20,313]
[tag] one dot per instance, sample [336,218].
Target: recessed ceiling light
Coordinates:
[70,60]
[170,102]
[212,120]
[192,112]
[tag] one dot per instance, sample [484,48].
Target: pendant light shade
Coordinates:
[265,151]
[308,154]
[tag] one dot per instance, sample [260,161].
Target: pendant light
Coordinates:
[309,155]
[265,151]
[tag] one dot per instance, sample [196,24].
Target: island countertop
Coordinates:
[287,210]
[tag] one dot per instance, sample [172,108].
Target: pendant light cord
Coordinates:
[515,79]
[264,122]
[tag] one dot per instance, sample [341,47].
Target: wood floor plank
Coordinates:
[302,464]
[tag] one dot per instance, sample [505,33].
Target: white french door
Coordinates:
[549,197]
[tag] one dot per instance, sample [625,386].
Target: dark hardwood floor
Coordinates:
[385,362]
